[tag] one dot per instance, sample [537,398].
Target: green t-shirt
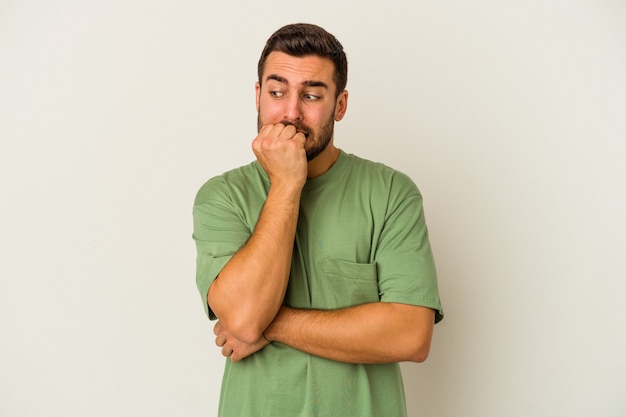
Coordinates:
[361,238]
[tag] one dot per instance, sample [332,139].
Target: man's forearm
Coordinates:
[370,333]
[250,288]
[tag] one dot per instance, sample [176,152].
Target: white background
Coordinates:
[510,116]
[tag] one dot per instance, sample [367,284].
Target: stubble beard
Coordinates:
[315,143]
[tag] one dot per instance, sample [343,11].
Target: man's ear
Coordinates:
[257,88]
[341,106]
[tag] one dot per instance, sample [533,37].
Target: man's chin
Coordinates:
[313,153]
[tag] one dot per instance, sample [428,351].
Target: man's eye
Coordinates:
[276,94]
[311,97]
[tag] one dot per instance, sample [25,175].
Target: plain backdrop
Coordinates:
[510,116]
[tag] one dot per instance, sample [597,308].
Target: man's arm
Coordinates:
[370,333]
[249,290]
[378,332]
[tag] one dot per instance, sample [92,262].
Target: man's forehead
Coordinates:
[309,69]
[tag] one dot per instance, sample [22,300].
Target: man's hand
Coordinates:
[233,347]
[280,150]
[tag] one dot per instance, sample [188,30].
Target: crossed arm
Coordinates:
[370,333]
[247,295]
[247,298]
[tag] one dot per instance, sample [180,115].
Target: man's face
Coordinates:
[300,92]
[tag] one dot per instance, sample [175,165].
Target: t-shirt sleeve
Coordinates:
[405,262]
[218,231]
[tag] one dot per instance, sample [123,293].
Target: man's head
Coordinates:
[304,39]
[302,79]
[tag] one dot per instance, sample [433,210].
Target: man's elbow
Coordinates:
[420,354]
[246,332]
[242,323]
[419,347]
[242,328]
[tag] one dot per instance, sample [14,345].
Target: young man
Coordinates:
[315,263]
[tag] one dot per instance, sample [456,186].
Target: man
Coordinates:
[315,263]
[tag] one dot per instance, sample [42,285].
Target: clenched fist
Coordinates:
[279,148]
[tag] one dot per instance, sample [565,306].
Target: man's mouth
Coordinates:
[299,128]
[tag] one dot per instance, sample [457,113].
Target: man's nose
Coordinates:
[293,109]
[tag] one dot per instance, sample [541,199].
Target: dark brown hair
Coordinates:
[304,39]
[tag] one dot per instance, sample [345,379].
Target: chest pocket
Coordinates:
[346,284]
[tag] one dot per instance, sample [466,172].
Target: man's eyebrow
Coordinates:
[276,78]
[310,83]
[314,83]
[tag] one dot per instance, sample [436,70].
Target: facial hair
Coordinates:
[315,142]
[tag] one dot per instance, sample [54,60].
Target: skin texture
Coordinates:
[297,106]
